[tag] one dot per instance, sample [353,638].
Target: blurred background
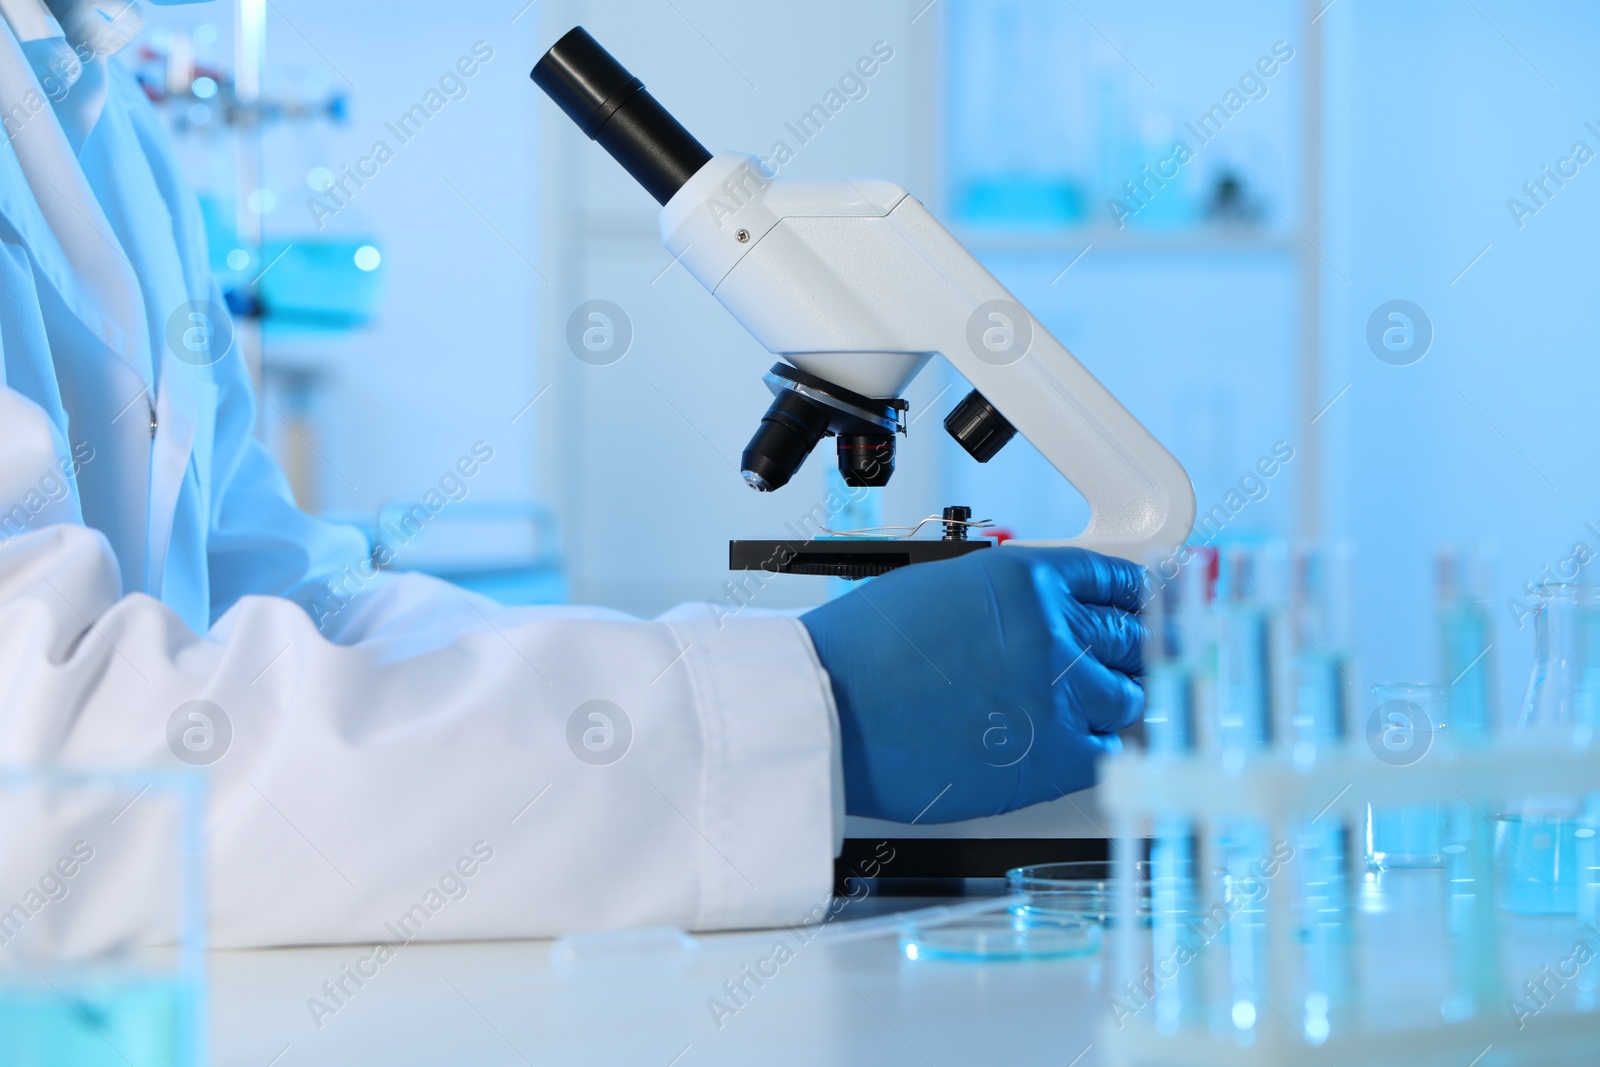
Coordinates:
[1359,266]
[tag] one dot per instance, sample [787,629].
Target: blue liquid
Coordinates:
[1244,677]
[1180,1000]
[1319,703]
[1325,928]
[1022,200]
[1467,633]
[1538,860]
[1406,837]
[114,1022]
[1473,925]
[1243,847]
[1169,710]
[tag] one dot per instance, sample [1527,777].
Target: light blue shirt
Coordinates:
[196,511]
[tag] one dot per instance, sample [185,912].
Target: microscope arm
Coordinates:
[857,283]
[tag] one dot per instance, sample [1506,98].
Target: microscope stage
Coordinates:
[843,557]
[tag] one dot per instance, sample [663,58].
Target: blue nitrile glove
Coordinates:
[981,684]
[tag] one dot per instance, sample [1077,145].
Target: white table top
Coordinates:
[863,1002]
[500,1003]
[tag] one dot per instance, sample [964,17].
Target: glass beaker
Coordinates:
[1401,730]
[1565,684]
[101,921]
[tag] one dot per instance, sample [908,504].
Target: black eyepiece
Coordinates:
[612,107]
[788,432]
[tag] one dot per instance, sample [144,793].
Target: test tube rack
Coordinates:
[1286,794]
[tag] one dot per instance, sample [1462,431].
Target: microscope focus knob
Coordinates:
[979,427]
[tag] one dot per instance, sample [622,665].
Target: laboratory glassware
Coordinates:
[1538,838]
[102,937]
[1403,726]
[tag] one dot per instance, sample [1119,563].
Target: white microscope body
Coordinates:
[856,283]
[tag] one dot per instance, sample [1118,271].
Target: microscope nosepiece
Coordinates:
[806,408]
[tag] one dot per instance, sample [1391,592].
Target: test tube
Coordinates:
[1174,613]
[1466,643]
[1321,633]
[1250,681]
[1253,697]
[1324,681]
[1176,684]
[1467,662]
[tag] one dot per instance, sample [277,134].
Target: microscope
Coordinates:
[854,286]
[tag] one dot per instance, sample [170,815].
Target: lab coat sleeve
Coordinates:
[588,769]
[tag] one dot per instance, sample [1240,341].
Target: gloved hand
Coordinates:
[1001,675]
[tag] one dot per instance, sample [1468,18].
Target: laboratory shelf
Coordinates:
[1181,241]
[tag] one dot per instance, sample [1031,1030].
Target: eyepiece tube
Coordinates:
[612,107]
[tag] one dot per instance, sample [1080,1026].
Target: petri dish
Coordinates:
[1006,936]
[1082,889]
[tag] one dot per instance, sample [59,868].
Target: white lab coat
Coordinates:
[420,724]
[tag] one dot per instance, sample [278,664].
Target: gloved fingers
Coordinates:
[1104,699]
[1095,579]
[1053,772]
[1114,637]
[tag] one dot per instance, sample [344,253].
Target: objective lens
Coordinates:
[866,460]
[788,432]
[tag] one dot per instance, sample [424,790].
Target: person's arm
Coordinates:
[356,775]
